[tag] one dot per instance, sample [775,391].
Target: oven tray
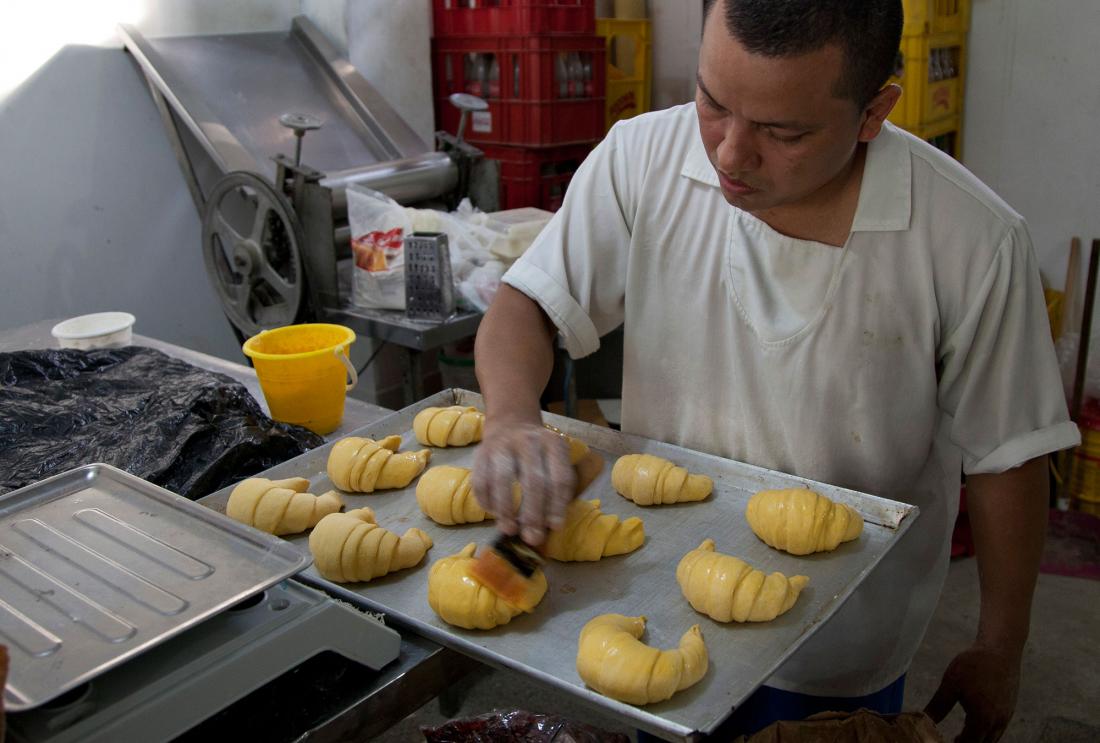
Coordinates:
[543,644]
[98,565]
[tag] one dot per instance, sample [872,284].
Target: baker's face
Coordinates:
[773,127]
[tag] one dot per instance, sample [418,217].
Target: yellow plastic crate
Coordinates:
[932,71]
[629,67]
[946,135]
[923,17]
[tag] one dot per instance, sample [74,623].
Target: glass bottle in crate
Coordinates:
[561,74]
[472,74]
[493,77]
[588,77]
[576,75]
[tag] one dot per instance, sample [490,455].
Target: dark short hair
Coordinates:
[867,31]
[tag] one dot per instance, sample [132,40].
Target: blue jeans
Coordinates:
[768,705]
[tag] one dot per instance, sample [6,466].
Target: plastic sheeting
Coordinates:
[519,725]
[186,429]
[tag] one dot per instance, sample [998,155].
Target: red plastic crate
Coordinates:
[528,124]
[520,17]
[536,176]
[541,90]
[527,68]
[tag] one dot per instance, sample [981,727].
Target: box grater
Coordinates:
[429,287]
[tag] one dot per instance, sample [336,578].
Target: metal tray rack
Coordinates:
[97,566]
[543,644]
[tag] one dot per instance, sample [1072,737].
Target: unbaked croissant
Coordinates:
[358,465]
[460,599]
[615,662]
[801,521]
[649,480]
[445,496]
[279,506]
[727,589]
[577,448]
[350,547]
[452,426]
[589,534]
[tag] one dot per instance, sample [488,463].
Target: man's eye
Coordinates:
[786,138]
[711,104]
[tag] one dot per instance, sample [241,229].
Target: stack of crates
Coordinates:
[542,69]
[931,70]
[629,66]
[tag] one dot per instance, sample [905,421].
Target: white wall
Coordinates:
[1033,117]
[677,29]
[396,37]
[94,212]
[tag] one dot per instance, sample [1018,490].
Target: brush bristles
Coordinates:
[500,576]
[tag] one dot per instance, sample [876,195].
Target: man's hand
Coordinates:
[536,458]
[1008,513]
[984,680]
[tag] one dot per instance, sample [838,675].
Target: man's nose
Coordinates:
[737,151]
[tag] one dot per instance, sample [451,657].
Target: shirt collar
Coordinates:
[885,194]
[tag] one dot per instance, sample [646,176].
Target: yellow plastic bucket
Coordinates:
[304,372]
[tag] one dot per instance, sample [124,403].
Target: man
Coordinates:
[807,289]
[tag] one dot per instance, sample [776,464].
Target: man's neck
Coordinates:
[826,216]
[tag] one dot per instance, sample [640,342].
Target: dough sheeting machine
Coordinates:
[275,235]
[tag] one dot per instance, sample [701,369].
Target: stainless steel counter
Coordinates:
[423,668]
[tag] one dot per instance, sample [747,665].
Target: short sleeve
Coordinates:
[576,269]
[999,379]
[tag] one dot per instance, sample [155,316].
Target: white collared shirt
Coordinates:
[919,349]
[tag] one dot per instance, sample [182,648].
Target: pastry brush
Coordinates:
[505,567]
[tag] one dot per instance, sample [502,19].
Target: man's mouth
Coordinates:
[735,186]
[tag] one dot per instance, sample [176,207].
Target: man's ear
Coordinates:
[877,111]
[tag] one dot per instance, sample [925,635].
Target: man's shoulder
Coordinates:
[949,194]
[670,131]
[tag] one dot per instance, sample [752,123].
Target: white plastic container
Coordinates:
[98,330]
[518,228]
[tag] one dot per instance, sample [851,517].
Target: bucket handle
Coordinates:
[347,365]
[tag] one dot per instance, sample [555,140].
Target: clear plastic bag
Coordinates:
[378,229]
[379,226]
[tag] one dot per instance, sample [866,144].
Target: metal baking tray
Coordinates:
[98,565]
[543,644]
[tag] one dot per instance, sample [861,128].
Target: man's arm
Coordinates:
[1008,515]
[514,356]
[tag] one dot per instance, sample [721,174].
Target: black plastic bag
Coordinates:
[519,726]
[186,429]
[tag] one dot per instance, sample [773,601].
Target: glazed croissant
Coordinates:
[444,495]
[589,534]
[648,480]
[452,426]
[460,599]
[279,506]
[801,521]
[359,465]
[350,547]
[615,662]
[727,589]
[577,448]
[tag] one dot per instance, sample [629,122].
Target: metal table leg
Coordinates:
[411,377]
